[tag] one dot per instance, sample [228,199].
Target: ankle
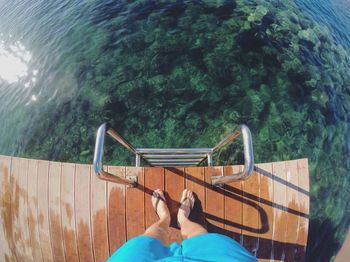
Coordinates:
[181,221]
[165,220]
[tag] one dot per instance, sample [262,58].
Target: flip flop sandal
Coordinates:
[159,197]
[191,207]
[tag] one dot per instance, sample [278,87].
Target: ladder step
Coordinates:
[175,164]
[157,156]
[174,160]
[173,150]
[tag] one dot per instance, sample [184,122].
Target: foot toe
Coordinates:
[190,194]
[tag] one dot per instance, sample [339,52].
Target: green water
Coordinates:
[183,74]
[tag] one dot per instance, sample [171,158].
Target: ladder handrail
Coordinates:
[170,152]
[248,156]
[98,156]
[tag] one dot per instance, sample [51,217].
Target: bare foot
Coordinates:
[159,205]
[187,203]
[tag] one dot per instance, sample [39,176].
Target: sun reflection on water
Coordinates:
[14,60]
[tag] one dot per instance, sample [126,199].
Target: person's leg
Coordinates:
[159,229]
[188,228]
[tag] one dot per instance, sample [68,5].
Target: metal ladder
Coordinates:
[172,157]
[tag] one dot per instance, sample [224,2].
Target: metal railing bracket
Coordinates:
[132,178]
[217,178]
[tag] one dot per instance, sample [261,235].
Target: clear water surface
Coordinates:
[185,73]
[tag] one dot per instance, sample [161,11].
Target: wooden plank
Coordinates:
[7,246]
[195,181]
[304,206]
[55,211]
[34,240]
[82,212]
[135,209]
[154,179]
[15,199]
[233,205]
[68,212]
[43,207]
[214,201]
[292,204]
[116,211]
[99,217]
[22,194]
[174,185]
[264,172]
[19,208]
[251,214]
[15,170]
[280,216]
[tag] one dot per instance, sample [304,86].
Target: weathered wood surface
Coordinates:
[53,211]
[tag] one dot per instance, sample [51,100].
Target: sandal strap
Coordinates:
[159,198]
[191,204]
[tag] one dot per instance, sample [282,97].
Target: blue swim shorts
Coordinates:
[207,247]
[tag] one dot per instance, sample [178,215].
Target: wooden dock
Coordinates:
[53,211]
